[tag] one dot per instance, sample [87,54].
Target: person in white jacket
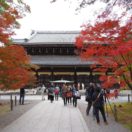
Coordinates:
[43,92]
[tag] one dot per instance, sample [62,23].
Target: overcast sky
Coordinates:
[57,16]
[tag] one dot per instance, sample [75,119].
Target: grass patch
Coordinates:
[4,108]
[124,114]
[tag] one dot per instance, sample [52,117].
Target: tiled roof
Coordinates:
[54,37]
[59,61]
[51,37]
[19,40]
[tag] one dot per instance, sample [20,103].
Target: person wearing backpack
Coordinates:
[89,92]
[51,93]
[74,93]
[98,104]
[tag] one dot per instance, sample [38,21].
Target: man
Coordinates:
[98,104]
[22,95]
[51,93]
[89,94]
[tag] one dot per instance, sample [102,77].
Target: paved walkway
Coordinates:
[47,117]
[18,111]
[55,117]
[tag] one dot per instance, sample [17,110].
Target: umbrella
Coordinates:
[62,81]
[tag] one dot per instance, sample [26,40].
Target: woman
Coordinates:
[69,95]
[64,92]
[56,91]
[43,92]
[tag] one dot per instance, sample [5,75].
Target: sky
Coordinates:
[60,15]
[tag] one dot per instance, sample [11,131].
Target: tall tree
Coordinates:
[9,13]
[15,67]
[109,42]
[15,70]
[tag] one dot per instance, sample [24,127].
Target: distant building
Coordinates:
[56,54]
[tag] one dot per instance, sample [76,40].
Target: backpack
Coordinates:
[88,96]
[51,91]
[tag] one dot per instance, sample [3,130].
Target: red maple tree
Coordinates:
[110,44]
[15,67]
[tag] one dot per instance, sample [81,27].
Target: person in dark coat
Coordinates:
[51,93]
[98,104]
[89,93]
[22,95]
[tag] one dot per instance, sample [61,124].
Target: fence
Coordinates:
[120,110]
[12,100]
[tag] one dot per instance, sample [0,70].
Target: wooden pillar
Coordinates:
[91,77]
[75,75]
[11,102]
[15,100]
[52,73]
[115,113]
[129,98]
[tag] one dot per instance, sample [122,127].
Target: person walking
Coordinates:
[43,92]
[56,91]
[89,93]
[51,93]
[74,93]
[69,95]
[98,104]
[64,92]
[22,95]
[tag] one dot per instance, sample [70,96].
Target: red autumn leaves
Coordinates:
[110,44]
[15,67]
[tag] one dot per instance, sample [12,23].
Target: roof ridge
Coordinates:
[58,32]
[33,34]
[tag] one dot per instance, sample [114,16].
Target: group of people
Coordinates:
[53,92]
[95,96]
[70,94]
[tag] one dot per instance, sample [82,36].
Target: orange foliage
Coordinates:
[15,67]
